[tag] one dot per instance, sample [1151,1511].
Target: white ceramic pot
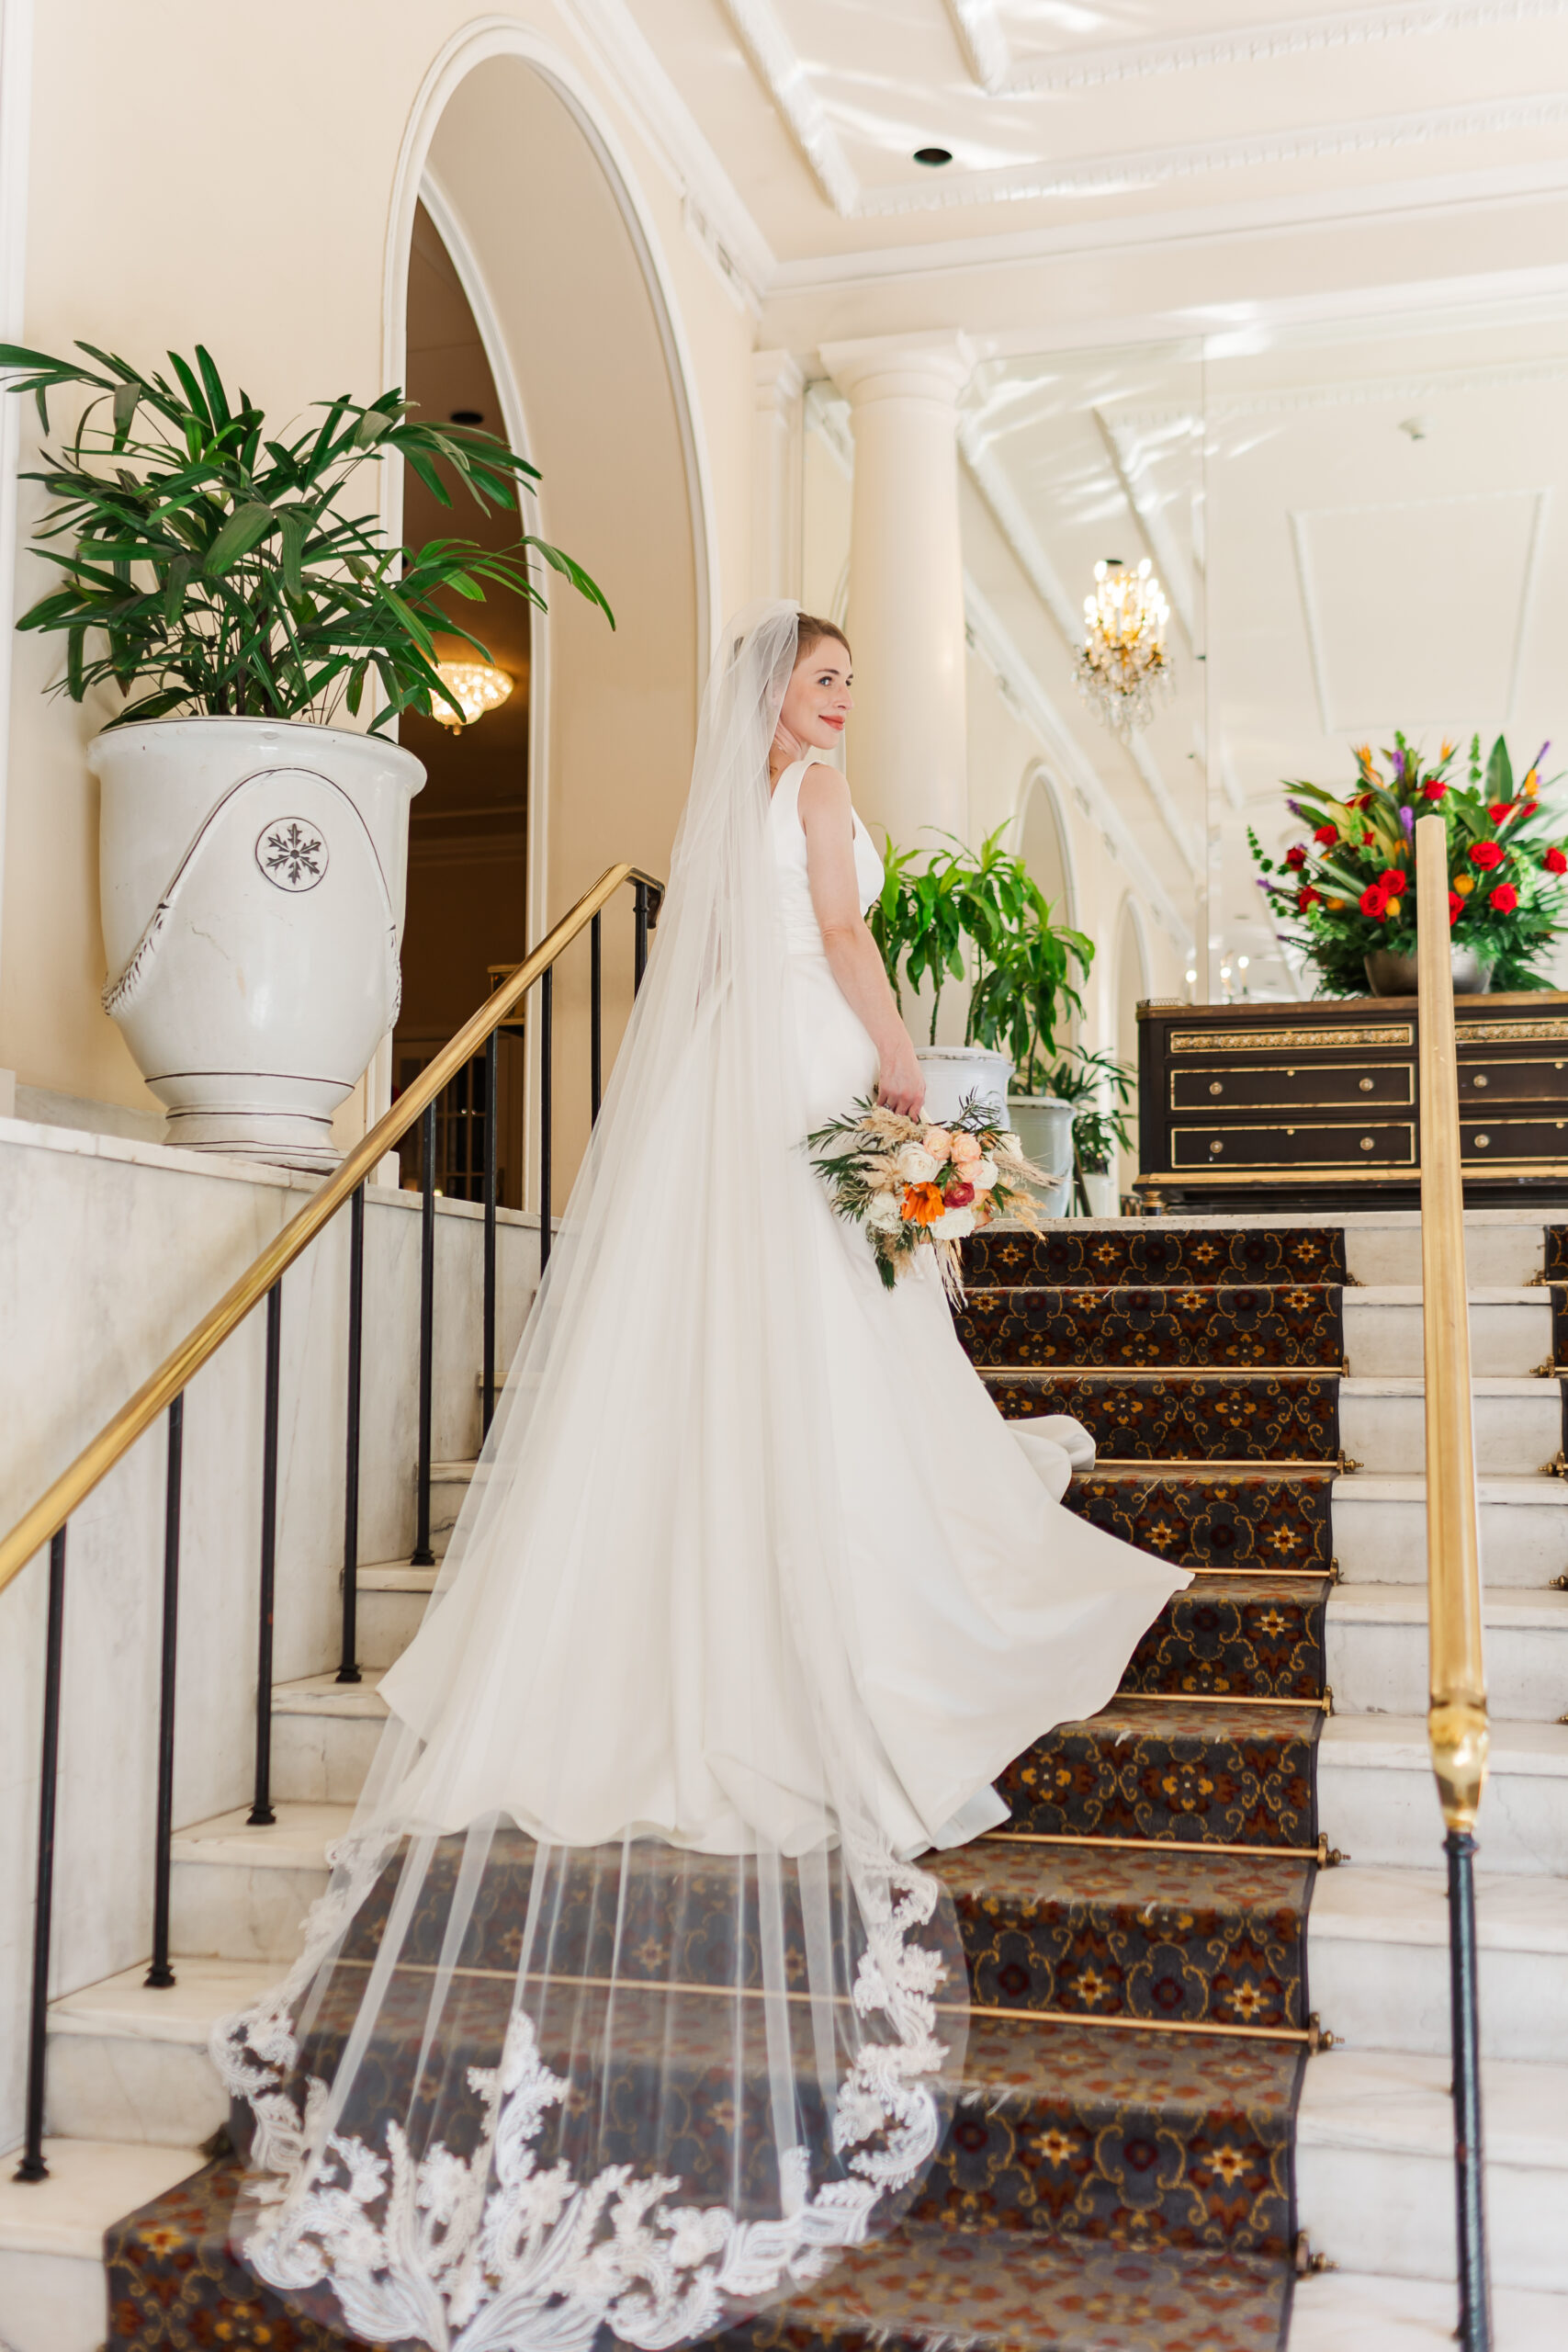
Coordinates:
[955,1072]
[1104,1200]
[252,874]
[1045,1128]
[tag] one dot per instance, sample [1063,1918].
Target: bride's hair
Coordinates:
[810,631]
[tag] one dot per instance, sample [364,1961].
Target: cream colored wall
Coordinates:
[284,279]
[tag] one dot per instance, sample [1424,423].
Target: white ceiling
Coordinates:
[1061,112]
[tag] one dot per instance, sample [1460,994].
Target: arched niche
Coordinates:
[506,149]
[1046,845]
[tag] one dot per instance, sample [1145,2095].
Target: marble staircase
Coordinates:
[1228,1425]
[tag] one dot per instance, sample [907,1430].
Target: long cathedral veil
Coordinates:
[619,2010]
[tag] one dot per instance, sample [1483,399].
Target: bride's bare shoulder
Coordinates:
[823,791]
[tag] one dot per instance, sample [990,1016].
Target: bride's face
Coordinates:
[818,701]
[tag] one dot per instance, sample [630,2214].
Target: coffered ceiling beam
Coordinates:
[786,78]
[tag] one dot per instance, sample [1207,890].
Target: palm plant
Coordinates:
[1101,1088]
[933,901]
[215,565]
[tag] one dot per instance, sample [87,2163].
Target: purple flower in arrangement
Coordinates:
[1399,765]
[1407,819]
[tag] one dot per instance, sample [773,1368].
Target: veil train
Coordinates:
[619,2010]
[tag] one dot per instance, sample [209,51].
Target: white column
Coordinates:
[778,426]
[908,756]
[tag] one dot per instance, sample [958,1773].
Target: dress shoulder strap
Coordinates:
[786,792]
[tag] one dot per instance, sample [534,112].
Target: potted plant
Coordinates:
[1351,889]
[1099,1089]
[1018,972]
[253,855]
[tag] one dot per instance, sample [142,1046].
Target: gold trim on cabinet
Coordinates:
[1284,1041]
[1509,1033]
[1330,1171]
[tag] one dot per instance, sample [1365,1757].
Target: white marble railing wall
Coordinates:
[109,1251]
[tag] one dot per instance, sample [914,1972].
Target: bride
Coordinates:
[626,2004]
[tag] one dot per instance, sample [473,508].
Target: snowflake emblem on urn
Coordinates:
[292,853]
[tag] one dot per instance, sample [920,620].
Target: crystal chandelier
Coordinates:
[479,686]
[1123,671]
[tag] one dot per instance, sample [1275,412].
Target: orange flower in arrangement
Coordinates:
[923,1204]
[1486,854]
[1465,883]
[1504,898]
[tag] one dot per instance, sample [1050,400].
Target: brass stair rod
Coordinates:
[1456,1719]
[52,1509]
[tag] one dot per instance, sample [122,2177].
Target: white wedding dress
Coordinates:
[627,2006]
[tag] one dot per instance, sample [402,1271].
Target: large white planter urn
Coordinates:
[955,1072]
[1045,1128]
[252,875]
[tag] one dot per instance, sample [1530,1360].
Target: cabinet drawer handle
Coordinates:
[1366,1143]
[1482,1142]
[1366,1085]
[1479,1079]
[1216,1147]
[1215,1088]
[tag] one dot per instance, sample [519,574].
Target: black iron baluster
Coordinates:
[261,1815]
[423,1557]
[348,1669]
[493,1067]
[32,2166]
[1474,2331]
[596,1025]
[160,1976]
[547,1010]
[640,897]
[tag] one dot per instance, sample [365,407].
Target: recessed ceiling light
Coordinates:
[468,416]
[933,156]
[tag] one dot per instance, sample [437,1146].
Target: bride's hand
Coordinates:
[902,1083]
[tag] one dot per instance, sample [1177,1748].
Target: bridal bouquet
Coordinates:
[910,1183]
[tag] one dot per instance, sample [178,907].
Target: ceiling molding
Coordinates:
[1044,721]
[1140,167]
[989,59]
[1118,439]
[716,215]
[786,79]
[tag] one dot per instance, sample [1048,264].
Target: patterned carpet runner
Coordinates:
[1118,2175]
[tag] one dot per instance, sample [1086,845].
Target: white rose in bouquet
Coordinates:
[883,1213]
[916,1165]
[1007,1141]
[953,1225]
[982,1175]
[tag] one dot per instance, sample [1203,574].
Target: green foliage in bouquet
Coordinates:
[1351,889]
[214,565]
[933,901]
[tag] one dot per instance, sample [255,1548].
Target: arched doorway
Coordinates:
[588,379]
[1044,847]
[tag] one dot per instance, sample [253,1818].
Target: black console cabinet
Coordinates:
[1316,1105]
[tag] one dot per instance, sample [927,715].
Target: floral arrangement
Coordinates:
[1352,889]
[912,1184]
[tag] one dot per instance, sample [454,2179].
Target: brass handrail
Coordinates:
[1457,1732]
[99,1457]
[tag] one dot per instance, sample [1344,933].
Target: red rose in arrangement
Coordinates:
[1554,862]
[1375,901]
[1433,791]
[1504,898]
[958,1194]
[1306,898]
[1486,854]
[1296,856]
[1456,907]
[1501,810]
[1395,882]
[1327,835]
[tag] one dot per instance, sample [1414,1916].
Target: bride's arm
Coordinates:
[828,822]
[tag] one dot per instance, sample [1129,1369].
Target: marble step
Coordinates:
[1378,1960]
[1376,1639]
[51,2236]
[1377,1799]
[393,1597]
[1375,2165]
[1511,1329]
[1380,1529]
[129,2063]
[242,1894]
[1501,1246]
[325,1735]
[1519,1424]
[1347,2310]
